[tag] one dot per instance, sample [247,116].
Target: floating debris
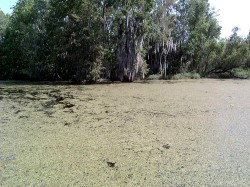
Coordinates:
[166,146]
[67,124]
[59,98]
[18,111]
[50,104]
[21,117]
[111,164]
[68,105]
[34,93]
[48,113]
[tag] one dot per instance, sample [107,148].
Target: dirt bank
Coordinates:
[160,133]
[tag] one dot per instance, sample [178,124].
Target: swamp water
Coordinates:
[159,133]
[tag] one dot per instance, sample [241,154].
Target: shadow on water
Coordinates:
[58,83]
[104,82]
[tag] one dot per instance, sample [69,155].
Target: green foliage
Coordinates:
[247,65]
[241,73]
[155,77]
[75,39]
[24,40]
[196,30]
[4,19]
[189,75]
[228,54]
[54,40]
[91,39]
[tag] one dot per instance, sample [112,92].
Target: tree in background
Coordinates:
[132,20]
[234,53]
[4,19]
[24,40]
[74,39]
[248,42]
[160,39]
[195,32]
[3,24]
[121,40]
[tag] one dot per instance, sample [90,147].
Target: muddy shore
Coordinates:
[157,133]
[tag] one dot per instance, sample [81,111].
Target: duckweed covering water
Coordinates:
[182,133]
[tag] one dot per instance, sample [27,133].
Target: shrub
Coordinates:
[155,77]
[189,75]
[241,73]
[225,75]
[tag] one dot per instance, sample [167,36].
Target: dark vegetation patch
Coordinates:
[34,93]
[166,146]
[50,104]
[111,164]
[21,117]
[68,105]
[15,91]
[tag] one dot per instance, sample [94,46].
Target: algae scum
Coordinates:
[192,133]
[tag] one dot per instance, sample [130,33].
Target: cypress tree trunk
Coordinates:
[129,49]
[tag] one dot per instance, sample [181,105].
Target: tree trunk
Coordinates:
[129,50]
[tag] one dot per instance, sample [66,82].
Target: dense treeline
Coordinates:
[121,40]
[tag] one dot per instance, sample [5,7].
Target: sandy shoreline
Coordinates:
[69,137]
